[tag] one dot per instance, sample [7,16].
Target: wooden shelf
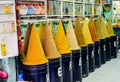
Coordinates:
[6,2]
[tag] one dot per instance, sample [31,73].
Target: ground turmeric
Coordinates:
[61,41]
[35,54]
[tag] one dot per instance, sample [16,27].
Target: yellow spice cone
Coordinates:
[41,31]
[49,44]
[93,32]
[98,29]
[61,40]
[35,54]
[26,39]
[70,34]
[103,27]
[79,33]
[109,28]
[86,33]
[52,29]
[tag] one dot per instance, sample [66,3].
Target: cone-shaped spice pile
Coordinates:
[25,43]
[61,41]
[86,33]
[109,28]
[98,29]
[70,34]
[79,33]
[49,44]
[93,32]
[103,27]
[52,29]
[35,54]
[41,31]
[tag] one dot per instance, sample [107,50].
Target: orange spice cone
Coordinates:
[49,44]
[93,32]
[104,29]
[41,31]
[98,29]
[61,40]
[86,33]
[79,33]
[70,34]
[109,28]
[35,54]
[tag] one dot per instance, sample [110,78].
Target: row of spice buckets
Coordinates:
[72,67]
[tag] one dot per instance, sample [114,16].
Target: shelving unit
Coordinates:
[67,8]
[8,30]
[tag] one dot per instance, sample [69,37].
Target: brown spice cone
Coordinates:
[98,29]
[79,33]
[70,34]
[49,44]
[26,39]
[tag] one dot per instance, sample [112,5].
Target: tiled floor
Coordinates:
[109,72]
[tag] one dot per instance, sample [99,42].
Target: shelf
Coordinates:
[6,2]
[97,14]
[96,4]
[6,21]
[31,0]
[89,15]
[88,3]
[79,15]
[7,33]
[68,1]
[78,2]
[67,15]
[33,15]
[6,14]
[53,15]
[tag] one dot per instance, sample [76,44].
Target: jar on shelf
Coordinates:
[31,9]
[42,10]
[37,9]
[23,9]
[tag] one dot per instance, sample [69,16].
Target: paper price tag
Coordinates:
[3,48]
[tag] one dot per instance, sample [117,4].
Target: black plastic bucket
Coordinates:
[91,57]
[113,41]
[97,54]
[76,66]
[55,72]
[108,49]
[85,61]
[103,51]
[66,68]
[35,73]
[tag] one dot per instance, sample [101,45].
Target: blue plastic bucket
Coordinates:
[66,68]
[113,41]
[35,73]
[76,66]
[91,57]
[103,51]
[108,49]
[97,54]
[85,61]
[55,72]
